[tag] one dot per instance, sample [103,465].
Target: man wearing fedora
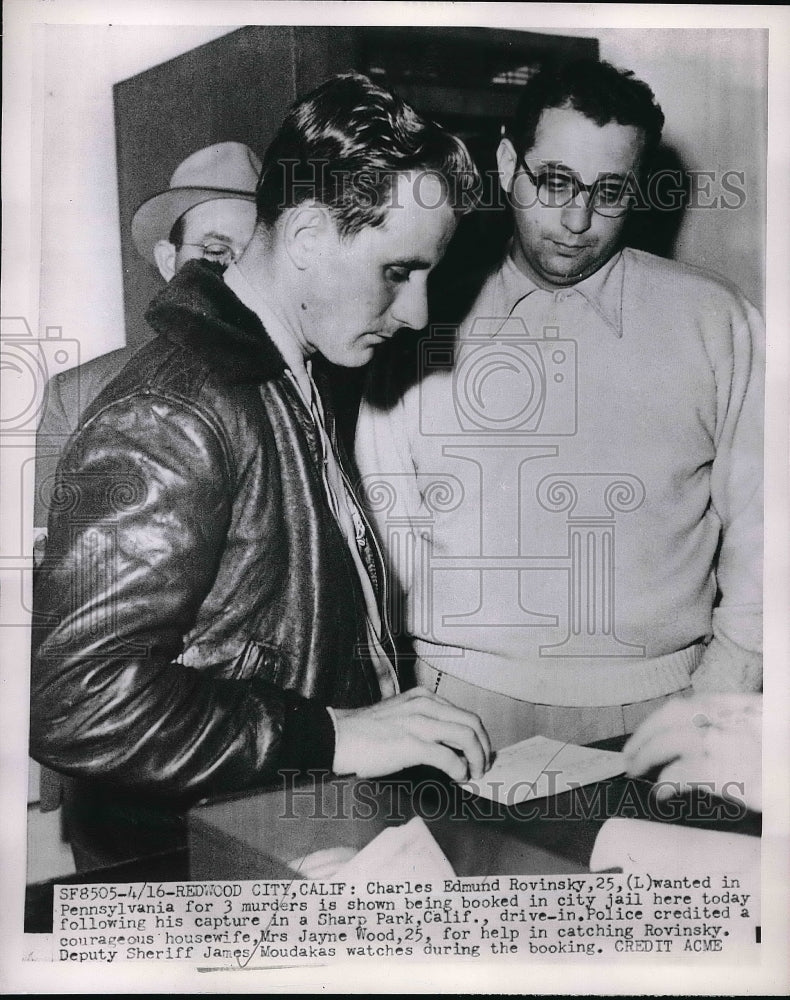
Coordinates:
[207,211]
[212,605]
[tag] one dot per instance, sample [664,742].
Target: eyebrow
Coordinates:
[413,263]
[222,237]
[606,174]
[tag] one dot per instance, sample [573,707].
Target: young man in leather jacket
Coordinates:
[211,608]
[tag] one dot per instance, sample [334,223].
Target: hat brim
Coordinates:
[154,219]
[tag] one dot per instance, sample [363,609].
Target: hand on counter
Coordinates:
[416,727]
[714,738]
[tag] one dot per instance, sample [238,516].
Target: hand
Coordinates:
[416,727]
[703,738]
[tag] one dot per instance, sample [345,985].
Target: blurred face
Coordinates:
[559,246]
[364,288]
[216,230]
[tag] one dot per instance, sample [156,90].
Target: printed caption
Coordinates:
[261,923]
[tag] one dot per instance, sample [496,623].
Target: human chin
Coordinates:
[562,266]
[354,354]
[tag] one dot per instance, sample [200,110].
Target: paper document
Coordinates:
[642,845]
[538,767]
[400,852]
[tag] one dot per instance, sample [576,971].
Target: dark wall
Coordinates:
[237,87]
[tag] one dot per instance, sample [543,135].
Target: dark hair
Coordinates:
[344,145]
[600,91]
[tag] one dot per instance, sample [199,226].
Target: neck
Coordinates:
[265,270]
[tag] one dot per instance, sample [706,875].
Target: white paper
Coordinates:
[538,767]
[641,845]
[402,852]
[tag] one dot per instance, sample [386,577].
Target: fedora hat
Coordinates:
[224,170]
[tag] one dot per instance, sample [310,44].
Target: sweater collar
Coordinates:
[198,310]
[603,290]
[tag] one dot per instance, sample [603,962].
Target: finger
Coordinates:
[434,707]
[475,721]
[736,709]
[419,702]
[680,775]
[690,714]
[666,745]
[457,737]
[443,759]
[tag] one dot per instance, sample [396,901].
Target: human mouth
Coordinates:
[569,249]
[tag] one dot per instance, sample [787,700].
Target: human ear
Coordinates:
[507,162]
[306,230]
[165,257]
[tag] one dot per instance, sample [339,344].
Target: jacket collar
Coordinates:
[199,311]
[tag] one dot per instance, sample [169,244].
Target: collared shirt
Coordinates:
[341,500]
[572,478]
[603,291]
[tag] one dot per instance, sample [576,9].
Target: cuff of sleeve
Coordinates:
[308,737]
[726,666]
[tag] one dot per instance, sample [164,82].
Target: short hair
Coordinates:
[598,90]
[344,145]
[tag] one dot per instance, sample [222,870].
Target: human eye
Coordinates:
[555,186]
[556,180]
[216,251]
[396,273]
[610,192]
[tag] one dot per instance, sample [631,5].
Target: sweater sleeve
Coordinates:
[733,659]
[138,527]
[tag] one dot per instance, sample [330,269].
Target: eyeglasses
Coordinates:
[218,253]
[557,186]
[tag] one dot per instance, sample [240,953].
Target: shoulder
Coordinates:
[106,364]
[74,389]
[157,418]
[169,395]
[164,374]
[682,282]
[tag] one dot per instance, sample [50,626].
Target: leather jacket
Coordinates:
[198,607]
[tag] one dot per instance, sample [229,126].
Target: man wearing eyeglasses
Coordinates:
[569,489]
[208,211]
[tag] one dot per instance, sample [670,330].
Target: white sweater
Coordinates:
[573,506]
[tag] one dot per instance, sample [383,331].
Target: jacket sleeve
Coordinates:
[138,526]
[733,659]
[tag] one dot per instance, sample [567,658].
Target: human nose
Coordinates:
[410,308]
[577,214]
